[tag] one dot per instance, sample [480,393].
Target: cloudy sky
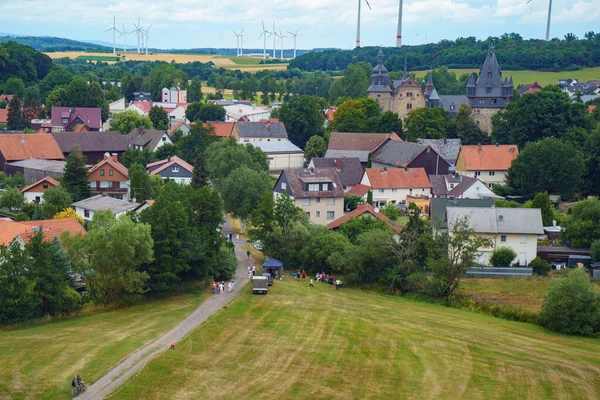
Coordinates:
[322,23]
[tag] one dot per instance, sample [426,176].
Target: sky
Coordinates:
[321,23]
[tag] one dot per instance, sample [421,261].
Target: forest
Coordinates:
[516,53]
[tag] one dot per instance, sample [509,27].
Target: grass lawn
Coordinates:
[40,361]
[543,78]
[98,58]
[300,343]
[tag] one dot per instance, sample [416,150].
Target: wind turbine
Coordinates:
[281,39]
[237,48]
[145,33]
[138,31]
[265,34]
[399,31]
[294,34]
[549,15]
[358,23]
[242,42]
[124,34]
[274,39]
[115,30]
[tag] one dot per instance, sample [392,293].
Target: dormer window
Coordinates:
[488,90]
[65,120]
[175,168]
[45,185]
[313,187]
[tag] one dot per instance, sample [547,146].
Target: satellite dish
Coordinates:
[376,209]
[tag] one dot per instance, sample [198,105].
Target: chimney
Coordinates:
[496,144]
[405,169]
[479,147]
[114,157]
[106,156]
[512,150]
[338,164]
[22,137]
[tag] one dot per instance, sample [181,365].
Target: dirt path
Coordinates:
[130,366]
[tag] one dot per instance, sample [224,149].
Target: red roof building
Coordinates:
[65,119]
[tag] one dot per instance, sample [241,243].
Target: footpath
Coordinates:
[135,362]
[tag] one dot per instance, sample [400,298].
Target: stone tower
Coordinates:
[380,85]
[407,95]
[489,93]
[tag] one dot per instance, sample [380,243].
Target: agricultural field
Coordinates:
[543,78]
[39,361]
[98,58]
[319,343]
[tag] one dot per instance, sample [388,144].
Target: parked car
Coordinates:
[269,278]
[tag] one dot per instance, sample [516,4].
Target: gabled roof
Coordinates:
[363,209]
[398,154]
[100,202]
[359,141]
[91,141]
[144,137]
[447,148]
[440,184]
[359,190]
[262,129]
[177,126]
[221,129]
[92,117]
[10,229]
[113,163]
[34,145]
[498,220]
[283,147]
[489,157]
[350,169]
[398,178]
[51,182]
[51,228]
[298,178]
[3,115]
[164,164]
[148,203]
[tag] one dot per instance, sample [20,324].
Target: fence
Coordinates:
[499,272]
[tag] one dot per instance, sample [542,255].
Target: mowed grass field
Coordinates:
[300,343]
[543,78]
[39,362]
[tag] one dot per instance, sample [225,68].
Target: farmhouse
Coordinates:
[35,169]
[18,147]
[34,193]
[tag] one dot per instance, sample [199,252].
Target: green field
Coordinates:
[543,78]
[39,361]
[300,343]
[98,58]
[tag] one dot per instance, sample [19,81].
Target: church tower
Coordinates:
[489,93]
[380,85]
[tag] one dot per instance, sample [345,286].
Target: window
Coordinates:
[492,173]
[313,187]
[330,201]
[477,173]
[101,172]
[318,200]
[164,138]
[409,94]
[481,101]
[394,190]
[65,120]
[381,190]
[488,90]
[489,74]
[175,168]
[452,186]
[308,214]
[283,185]
[490,185]
[318,215]
[306,202]
[324,187]
[86,213]
[503,238]
[45,185]
[523,239]
[494,101]
[410,191]
[409,106]
[330,214]
[110,172]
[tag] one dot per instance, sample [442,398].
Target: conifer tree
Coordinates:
[75,177]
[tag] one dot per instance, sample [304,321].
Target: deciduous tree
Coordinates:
[303,118]
[159,118]
[127,121]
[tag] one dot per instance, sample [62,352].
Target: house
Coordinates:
[66,119]
[268,131]
[221,129]
[237,110]
[347,144]
[87,207]
[117,106]
[318,192]
[93,145]
[447,148]
[143,205]
[173,168]
[281,155]
[35,169]
[438,205]
[22,232]
[151,139]
[173,95]
[34,193]
[175,111]
[529,88]
[182,126]
[489,163]
[3,115]
[395,154]
[460,187]
[359,190]
[515,228]
[109,177]
[364,211]
[349,169]
[6,97]
[17,147]
[142,96]
[392,185]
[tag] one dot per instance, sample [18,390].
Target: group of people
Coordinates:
[300,275]
[219,287]
[323,277]
[251,271]
[78,385]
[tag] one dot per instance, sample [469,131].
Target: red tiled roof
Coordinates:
[488,157]
[6,97]
[3,115]
[34,145]
[49,179]
[168,162]
[51,228]
[361,210]
[329,113]
[532,90]
[221,129]
[110,161]
[177,126]
[359,190]
[398,178]
[10,229]
[144,106]
[591,109]
[359,141]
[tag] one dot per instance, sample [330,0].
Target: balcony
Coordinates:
[97,190]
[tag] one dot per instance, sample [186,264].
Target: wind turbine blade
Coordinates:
[528,1]
[149,27]
[298,30]
[263,24]
[109,29]
[261,35]
[367,1]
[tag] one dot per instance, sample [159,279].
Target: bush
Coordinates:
[540,266]
[226,266]
[502,257]
[571,305]
[391,211]
[507,312]
[595,250]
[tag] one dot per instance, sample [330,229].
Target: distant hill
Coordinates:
[44,43]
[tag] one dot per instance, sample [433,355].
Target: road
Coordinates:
[135,362]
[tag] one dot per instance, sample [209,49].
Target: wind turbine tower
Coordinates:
[274,40]
[138,30]
[237,48]
[241,43]
[399,32]
[549,16]
[281,39]
[265,34]
[114,31]
[145,33]
[124,34]
[294,34]
[358,22]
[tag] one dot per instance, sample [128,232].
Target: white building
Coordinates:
[87,207]
[251,113]
[34,193]
[281,155]
[393,185]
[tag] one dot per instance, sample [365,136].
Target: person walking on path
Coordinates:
[248,254]
[221,287]
[214,287]
[253,270]
[232,284]
[229,287]
[249,272]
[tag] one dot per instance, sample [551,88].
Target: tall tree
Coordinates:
[14,86]
[127,121]
[58,197]
[426,123]
[542,201]
[159,118]
[303,118]
[466,129]
[15,114]
[360,115]
[196,142]
[75,176]
[242,191]
[195,91]
[315,147]
[12,198]
[582,227]
[200,176]
[226,156]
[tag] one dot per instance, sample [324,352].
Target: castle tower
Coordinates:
[432,99]
[380,85]
[488,94]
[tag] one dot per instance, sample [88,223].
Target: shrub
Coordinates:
[571,305]
[595,250]
[540,266]
[504,311]
[502,257]
[390,211]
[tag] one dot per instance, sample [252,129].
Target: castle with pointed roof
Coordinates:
[486,94]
